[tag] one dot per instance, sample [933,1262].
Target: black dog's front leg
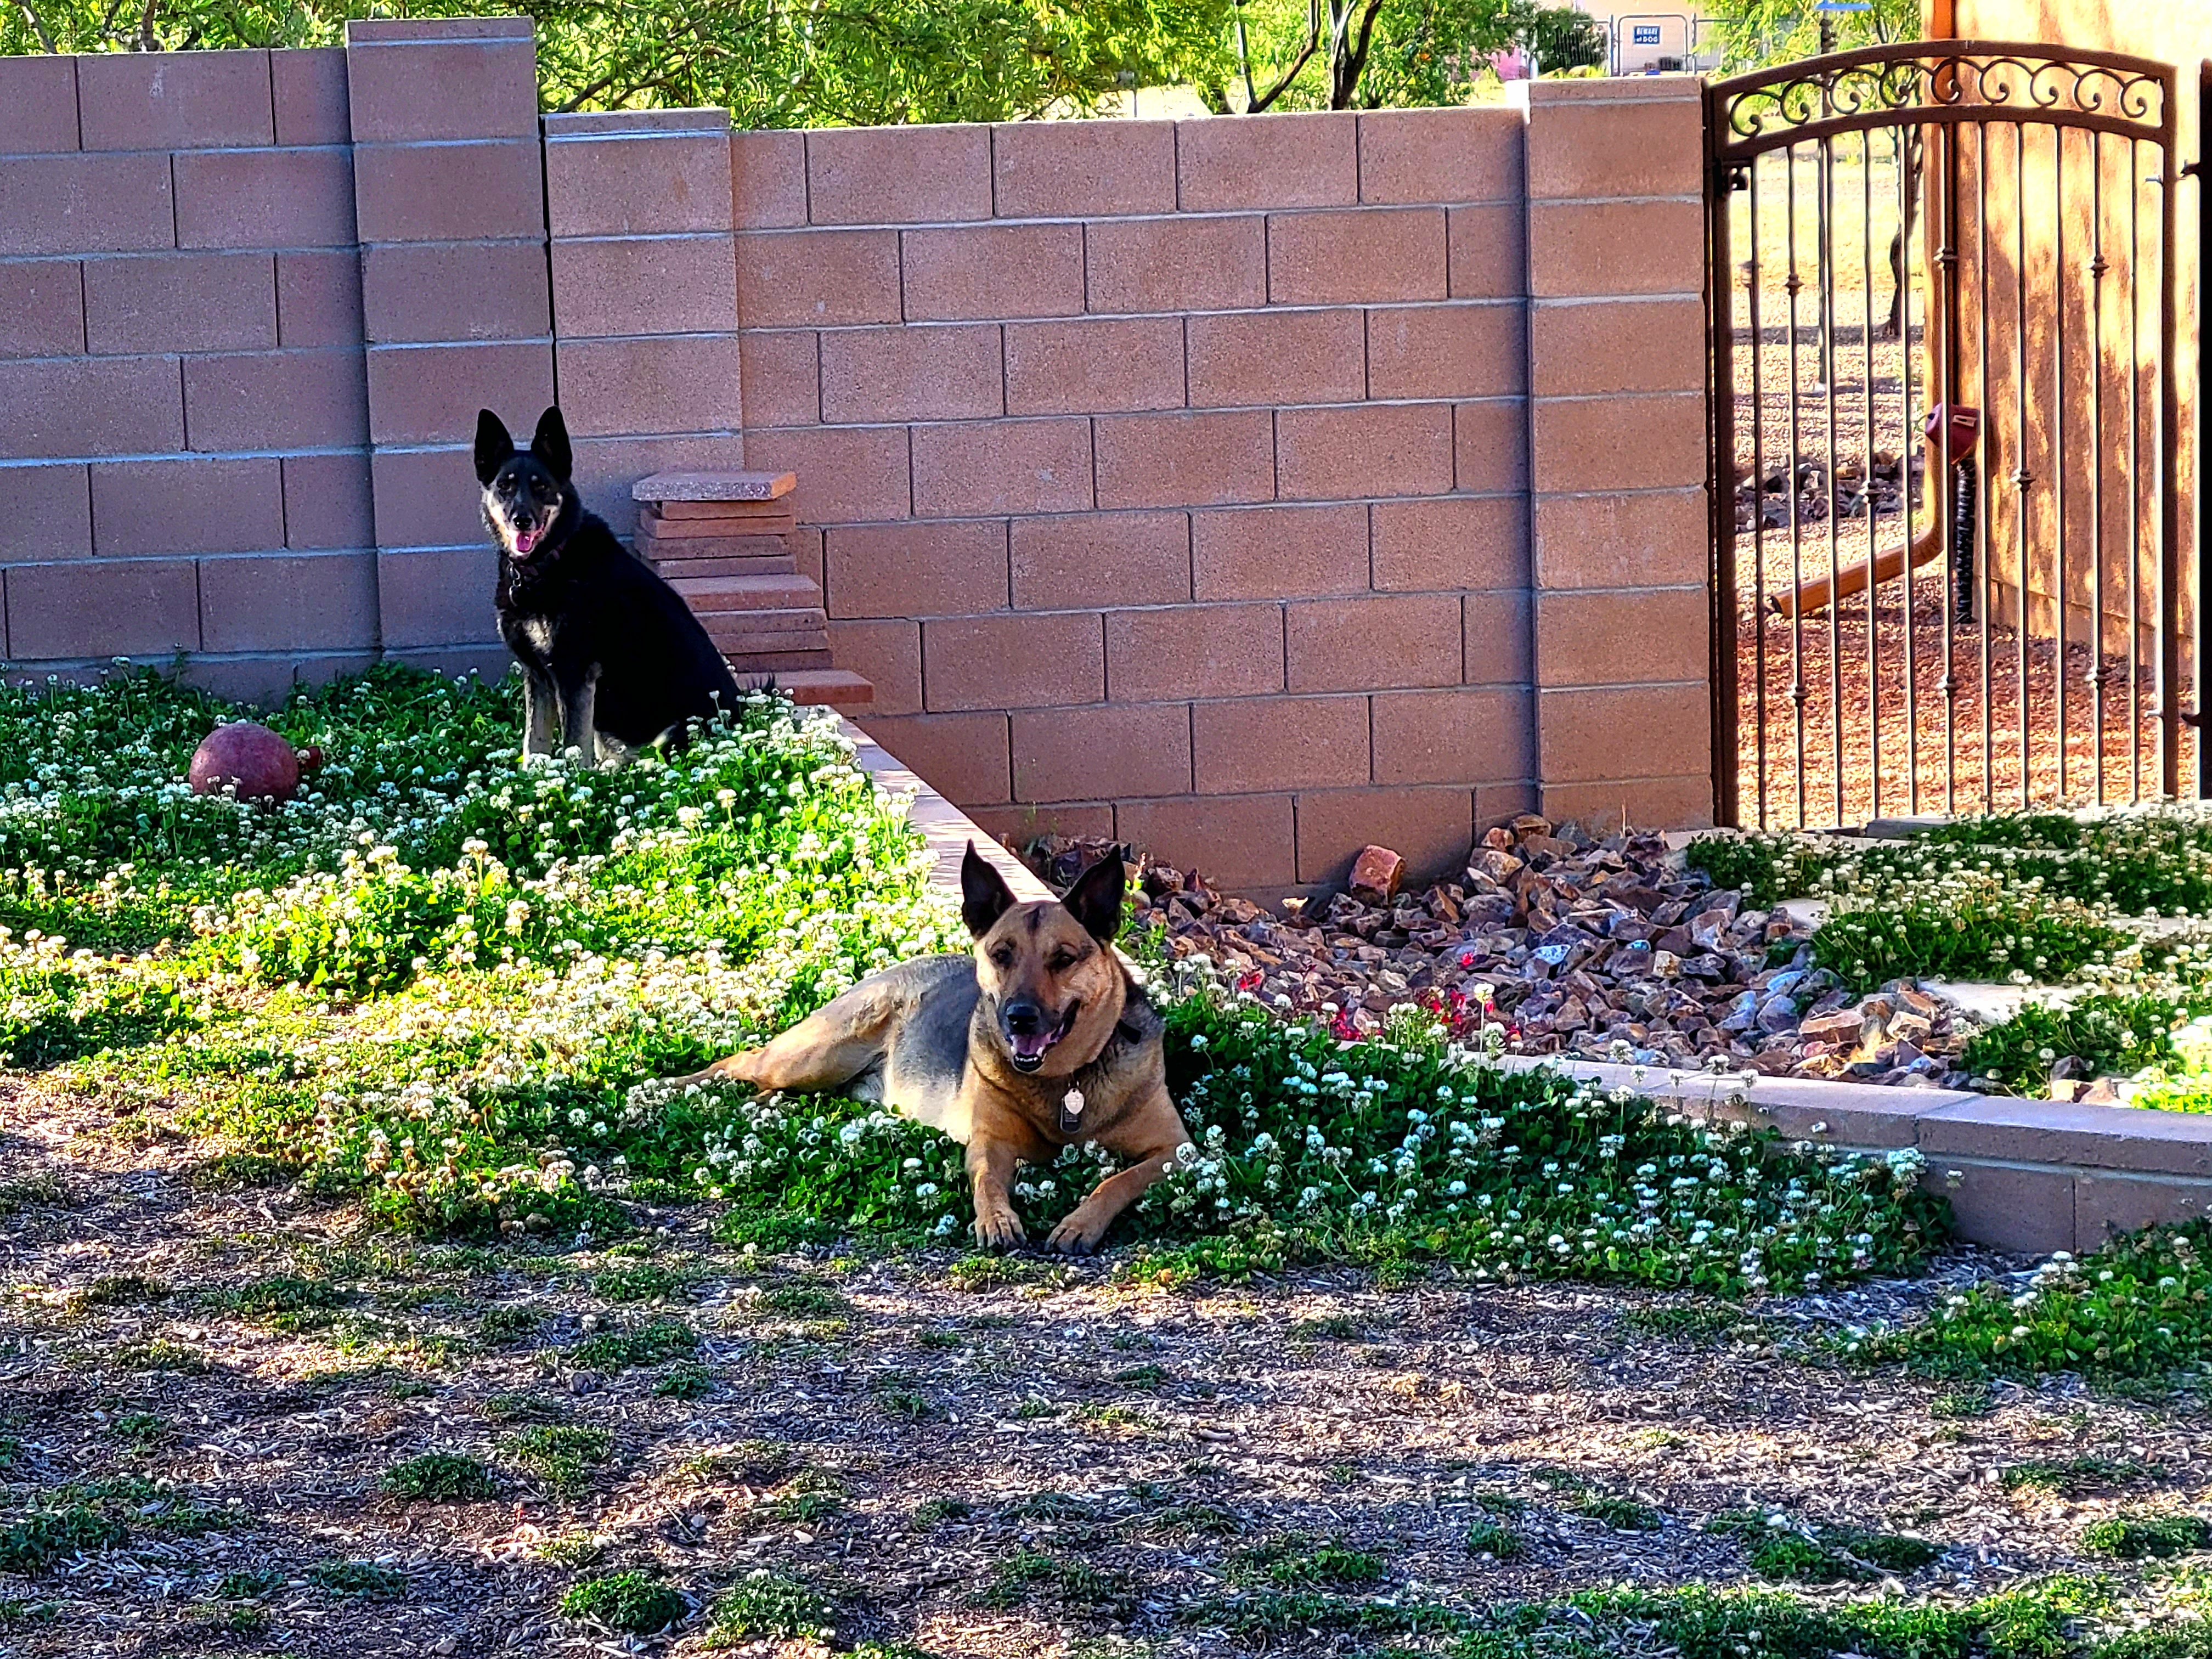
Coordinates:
[579,702]
[540,700]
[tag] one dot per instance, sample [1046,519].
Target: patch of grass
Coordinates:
[38,1540]
[633,1602]
[1337,1327]
[43,1190]
[1195,1519]
[642,1282]
[505,1328]
[362,1578]
[767,1604]
[1295,1562]
[2133,1537]
[438,1477]
[936,1336]
[904,1405]
[1621,1514]
[935,1512]
[1495,1540]
[122,1291]
[249,1583]
[1265,1615]
[1690,1323]
[143,1430]
[162,1354]
[524,1408]
[1968,1400]
[1836,1555]
[1491,1499]
[562,1455]
[1017,1576]
[287,1301]
[687,1379]
[2068,1477]
[750,1463]
[654,1344]
[799,1300]
[230,1172]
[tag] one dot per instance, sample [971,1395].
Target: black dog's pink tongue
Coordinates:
[1031,1045]
[525,540]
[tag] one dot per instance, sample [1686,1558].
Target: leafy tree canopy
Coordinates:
[1755,31]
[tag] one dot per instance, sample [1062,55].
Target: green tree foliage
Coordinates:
[1756,32]
[1368,54]
[772,63]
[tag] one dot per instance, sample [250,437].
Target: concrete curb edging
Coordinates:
[2031,1175]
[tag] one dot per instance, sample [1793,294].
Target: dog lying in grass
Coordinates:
[1036,1041]
[612,659]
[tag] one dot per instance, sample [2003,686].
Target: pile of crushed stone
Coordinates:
[1598,949]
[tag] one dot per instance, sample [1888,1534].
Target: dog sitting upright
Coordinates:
[1038,1040]
[612,659]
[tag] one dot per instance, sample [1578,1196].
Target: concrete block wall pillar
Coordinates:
[1617,445]
[645,297]
[456,304]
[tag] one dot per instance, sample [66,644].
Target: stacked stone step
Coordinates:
[723,541]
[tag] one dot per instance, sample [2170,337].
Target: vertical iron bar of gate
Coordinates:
[2169,446]
[1827,176]
[1720,289]
[2023,480]
[1905,195]
[2059,456]
[1796,530]
[2097,458]
[2135,470]
[1985,579]
[1755,267]
[1873,443]
[1947,520]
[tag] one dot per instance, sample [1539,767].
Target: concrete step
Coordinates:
[656,549]
[674,570]
[752,642]
[812,687]
[694,486]
[706,595]
[775,662]
[767,521]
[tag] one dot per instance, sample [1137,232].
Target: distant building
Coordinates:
[1657,40]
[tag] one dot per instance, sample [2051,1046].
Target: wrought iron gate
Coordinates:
[1943,445]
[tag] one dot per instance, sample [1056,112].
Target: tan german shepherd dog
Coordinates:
[1038,1040]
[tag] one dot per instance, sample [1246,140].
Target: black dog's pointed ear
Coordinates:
[495,445]
[984,895]
[1096,899]
[550,446]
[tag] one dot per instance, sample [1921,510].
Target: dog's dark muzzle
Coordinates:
[1030,1033]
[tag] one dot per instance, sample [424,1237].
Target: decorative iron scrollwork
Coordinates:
[1876,87]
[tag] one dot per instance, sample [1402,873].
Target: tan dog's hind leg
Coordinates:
[828,1048]
[1154,1136]
[991,1171]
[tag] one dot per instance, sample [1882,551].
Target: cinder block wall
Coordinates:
[183,424]
[1250,489]
[1171,477]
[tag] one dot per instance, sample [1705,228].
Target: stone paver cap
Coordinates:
[712,486]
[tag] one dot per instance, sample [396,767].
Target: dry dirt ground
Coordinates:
[980,1458]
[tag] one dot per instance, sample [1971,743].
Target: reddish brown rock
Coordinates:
[1377,875]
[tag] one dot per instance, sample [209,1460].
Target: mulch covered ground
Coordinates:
[1008,1458]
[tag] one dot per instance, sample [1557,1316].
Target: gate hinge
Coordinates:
[2191,170]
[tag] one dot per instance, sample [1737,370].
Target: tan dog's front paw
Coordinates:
[999,1230]
[1079,1235]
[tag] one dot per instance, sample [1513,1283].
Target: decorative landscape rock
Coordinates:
[1599,949]
[250,757]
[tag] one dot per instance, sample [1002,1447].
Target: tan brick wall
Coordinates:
[183,417]
[1196,449]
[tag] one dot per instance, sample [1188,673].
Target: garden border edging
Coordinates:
[2031,1175]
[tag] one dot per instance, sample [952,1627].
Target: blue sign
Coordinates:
[1645,34]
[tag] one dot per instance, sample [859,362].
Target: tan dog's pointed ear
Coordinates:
[984,895]
[1096,899]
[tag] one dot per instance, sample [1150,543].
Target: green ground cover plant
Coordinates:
[2025,897]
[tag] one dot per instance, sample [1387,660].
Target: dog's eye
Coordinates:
[1002,958]
[1061,961]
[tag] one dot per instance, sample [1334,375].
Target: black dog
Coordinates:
[609,651]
